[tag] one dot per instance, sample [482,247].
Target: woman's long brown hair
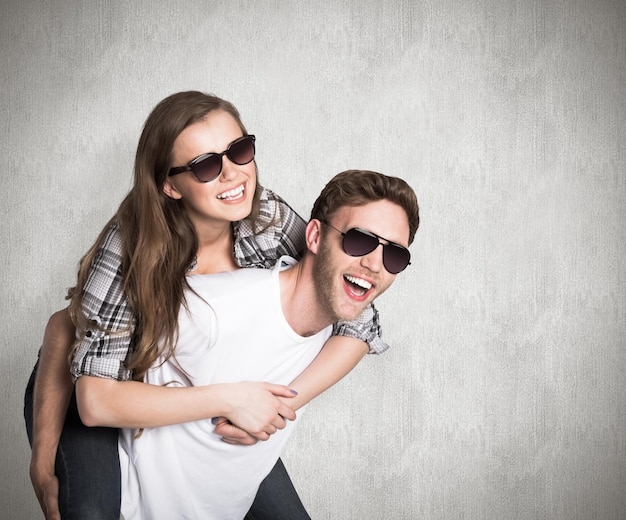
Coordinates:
[159,239]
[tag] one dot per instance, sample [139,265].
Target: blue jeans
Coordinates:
[88,469]
[277,499]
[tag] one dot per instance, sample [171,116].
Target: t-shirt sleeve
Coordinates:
[103,350]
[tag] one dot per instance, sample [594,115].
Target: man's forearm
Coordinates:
[53,389]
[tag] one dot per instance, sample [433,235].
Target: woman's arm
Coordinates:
[52,393]
[133,404]
[337,358]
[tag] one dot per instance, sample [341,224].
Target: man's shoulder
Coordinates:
[229,282]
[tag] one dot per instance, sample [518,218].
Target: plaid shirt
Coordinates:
[107,345]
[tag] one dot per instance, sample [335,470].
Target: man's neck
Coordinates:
[299,302]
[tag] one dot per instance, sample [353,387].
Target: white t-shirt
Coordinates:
[234,330]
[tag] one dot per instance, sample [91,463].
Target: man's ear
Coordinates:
[171,191]
[312,235]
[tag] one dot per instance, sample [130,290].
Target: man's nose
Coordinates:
[374,260]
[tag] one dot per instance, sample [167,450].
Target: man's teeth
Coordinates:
[231,194]
[359,281]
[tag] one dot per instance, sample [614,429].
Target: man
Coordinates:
[267,325]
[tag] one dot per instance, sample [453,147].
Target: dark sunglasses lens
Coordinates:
[395,258]
[357,243]
[209,168]
[241,151]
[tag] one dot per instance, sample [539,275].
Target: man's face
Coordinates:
[345,285]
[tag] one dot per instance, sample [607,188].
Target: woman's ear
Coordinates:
[312,235]
[170,190]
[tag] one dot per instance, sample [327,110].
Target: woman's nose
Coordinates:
[229,169]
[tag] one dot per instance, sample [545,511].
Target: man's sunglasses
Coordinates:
[359,242]
[208,166]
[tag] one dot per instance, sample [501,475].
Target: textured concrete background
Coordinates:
[504,395]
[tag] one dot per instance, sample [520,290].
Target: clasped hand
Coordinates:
[258,411]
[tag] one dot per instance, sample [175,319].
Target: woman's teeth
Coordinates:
[231,194]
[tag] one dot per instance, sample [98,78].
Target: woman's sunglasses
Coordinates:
[359,242]
[208,166]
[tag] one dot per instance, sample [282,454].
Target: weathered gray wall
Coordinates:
[504,395]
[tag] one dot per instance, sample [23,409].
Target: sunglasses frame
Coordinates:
[385,244]
[189,167]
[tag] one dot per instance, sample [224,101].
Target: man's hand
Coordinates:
[231,433]
[46,488]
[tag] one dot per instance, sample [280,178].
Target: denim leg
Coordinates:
[28,404]
[87,465]
[277,499]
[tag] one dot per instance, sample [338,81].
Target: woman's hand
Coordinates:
[257,412]
[232,434]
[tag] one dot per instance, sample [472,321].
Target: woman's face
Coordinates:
[228,198]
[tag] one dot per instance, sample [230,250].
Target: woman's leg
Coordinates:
[87,465]
[277,499]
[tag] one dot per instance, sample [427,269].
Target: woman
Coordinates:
[188,211]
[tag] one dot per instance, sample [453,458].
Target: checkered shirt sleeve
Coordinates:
[105,347]
[280,232]
[366,328]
